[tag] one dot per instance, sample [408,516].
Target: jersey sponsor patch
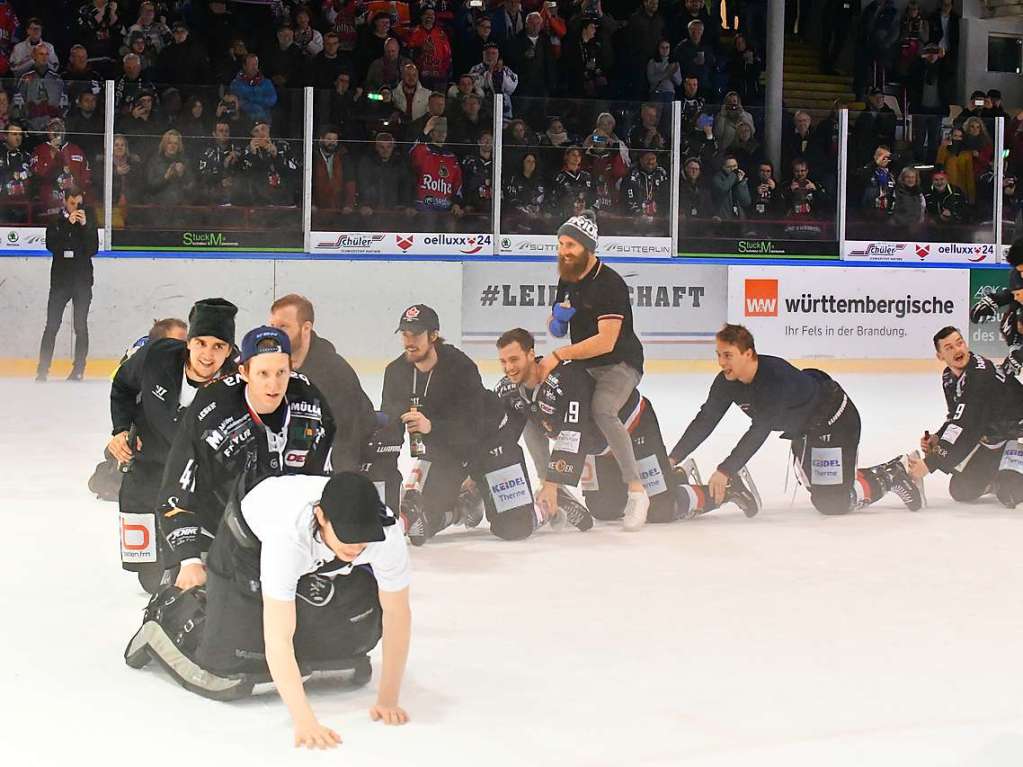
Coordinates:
[651,476]
[951,433]
[825,466]
[138,537]
[296,458]
[509,488]
[588,481]
[568,441]
[1012,457]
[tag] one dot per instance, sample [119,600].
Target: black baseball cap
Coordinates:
[419,318]
[281,344]
[352,505]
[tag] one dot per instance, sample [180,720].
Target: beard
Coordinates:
[571,271]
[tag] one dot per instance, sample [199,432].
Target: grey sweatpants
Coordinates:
[615,384]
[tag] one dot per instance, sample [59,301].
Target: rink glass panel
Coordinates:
[241,193]
[39,165]
[385,191]
[797,218]
[969,168]
[1012,187]
[540,188]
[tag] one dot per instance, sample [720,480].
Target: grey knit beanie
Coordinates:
[582,229]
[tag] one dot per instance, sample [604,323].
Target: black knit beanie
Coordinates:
[212,317]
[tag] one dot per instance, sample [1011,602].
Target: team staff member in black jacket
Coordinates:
[593,304]
[434,390]
[73,240]
[266,420]
[977,444]
[151,391]
[810,409]
[317,359]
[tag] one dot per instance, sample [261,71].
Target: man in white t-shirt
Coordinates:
[306,572]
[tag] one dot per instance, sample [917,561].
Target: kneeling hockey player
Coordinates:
[811,410]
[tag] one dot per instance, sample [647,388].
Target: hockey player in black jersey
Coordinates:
[558,408]
[978,443]
[1008,301]
[265,420]
[811,410]
[433,391]
[148,396]
[105,481]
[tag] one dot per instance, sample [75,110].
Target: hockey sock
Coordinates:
[870,485]
[699,497]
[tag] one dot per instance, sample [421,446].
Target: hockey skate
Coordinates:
[572,511]
[416,526]
[742,491]
[909,490]
[689,468]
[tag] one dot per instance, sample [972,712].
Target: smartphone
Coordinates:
[475,3]
[375,96]
[703,121]
[978,102]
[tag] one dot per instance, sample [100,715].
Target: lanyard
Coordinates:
[415,382]
[276,441]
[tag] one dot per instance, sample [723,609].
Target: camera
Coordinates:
[475,3]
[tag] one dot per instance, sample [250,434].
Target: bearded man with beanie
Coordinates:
[150,393]
[592,305]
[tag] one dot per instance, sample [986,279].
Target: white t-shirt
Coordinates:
[279,510]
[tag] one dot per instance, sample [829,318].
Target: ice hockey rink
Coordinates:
[881,638]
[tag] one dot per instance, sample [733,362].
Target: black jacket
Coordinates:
[145,392]
[352,410]
[451,396]
[220,442]
[384,185]
[982,406]
[780,398]
[72,246]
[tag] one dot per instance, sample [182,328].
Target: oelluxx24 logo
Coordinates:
[761,298]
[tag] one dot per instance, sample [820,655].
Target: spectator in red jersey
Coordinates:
[437,176]
[58,165]
[8,26]
[431,51]
[341,15]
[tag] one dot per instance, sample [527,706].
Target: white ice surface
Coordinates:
[879,638]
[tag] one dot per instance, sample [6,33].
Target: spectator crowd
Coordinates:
[209,113]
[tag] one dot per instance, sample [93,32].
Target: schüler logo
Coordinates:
[761,298]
